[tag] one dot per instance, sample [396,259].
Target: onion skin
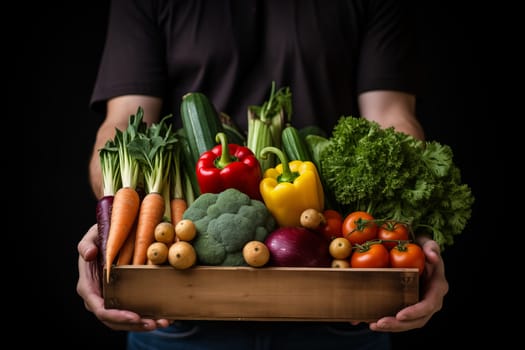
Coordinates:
[297,247]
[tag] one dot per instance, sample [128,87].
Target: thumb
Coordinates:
[430,248]
[87,248]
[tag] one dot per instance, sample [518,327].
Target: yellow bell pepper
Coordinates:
[290,188]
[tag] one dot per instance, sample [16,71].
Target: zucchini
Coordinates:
[187,163]
[311,130]
[293,145]
[201,123]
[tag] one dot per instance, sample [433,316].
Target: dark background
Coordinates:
[62,52]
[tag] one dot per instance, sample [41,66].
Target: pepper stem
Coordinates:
[225,158]
[287,174]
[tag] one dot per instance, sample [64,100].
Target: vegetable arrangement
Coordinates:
[394,176]
[282,196]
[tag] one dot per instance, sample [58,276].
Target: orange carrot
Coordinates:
[125,256]
[126,204]
[150,214]
[178,206]
[179,201]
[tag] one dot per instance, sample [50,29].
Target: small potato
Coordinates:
[340,248]
[182,255]
[256,253]
[157,253]
[185,230]
[340,263]
[312,219]
[165,232]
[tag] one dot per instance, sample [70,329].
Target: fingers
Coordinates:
[124,320]
[435,288]
[423,310]
[88,288]
[87,261]
[87,248]
[88,285]
[411,317]
[431,249]
[142,325]
[393,324]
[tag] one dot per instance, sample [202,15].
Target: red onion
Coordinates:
[297,247]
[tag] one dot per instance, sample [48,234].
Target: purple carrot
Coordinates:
[103,212]
[111,181]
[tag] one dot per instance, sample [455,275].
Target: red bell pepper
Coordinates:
[229,166]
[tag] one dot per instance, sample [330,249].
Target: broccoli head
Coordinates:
[225,222]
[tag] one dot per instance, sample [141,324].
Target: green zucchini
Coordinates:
[293,144]
[312,130]
[187,162]
[201,123]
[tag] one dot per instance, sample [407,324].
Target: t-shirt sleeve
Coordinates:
[132,60]
[388,56]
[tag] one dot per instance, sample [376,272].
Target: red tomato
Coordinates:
[408,255]
[359,227]
[392,231]
[332,227]
[331,213]
[370,255]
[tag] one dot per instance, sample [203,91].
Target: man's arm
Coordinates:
[397,109]
[119,110]
[392,108]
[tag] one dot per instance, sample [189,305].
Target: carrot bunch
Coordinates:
[153,151]
[143,162]
[126,200]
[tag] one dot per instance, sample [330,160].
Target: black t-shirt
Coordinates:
[327,52]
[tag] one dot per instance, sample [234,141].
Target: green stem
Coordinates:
[225,158]
[269,104]
[287,175]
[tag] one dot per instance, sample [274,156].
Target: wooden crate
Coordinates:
[263,294]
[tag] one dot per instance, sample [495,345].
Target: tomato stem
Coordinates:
[363,247]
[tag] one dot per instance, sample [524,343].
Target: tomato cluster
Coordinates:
[373,243]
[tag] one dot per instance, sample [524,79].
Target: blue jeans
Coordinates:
[234,335]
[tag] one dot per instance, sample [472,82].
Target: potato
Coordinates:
[165,232]
[185,230]
[312,219]
[182,255]
[256,253]
[157,253]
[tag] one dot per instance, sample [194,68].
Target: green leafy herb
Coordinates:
[395,176]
